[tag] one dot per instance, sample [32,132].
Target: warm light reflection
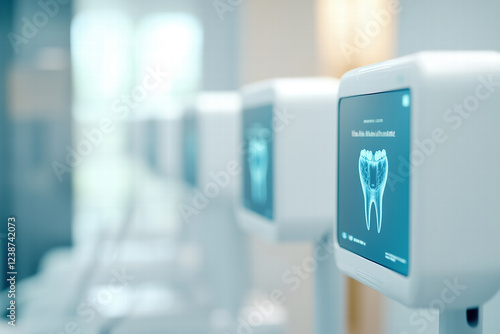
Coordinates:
[354,33]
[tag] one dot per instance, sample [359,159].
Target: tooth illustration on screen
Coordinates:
[258,161]
[373,170]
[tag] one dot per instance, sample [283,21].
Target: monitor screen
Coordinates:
[190,150]
[258,160]
[373,177]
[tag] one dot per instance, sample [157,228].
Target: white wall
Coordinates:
[448,24]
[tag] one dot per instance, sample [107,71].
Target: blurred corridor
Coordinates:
[99,149]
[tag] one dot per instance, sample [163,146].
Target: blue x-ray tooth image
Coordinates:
[373,170]
[258,162]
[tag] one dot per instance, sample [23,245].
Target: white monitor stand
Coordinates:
[287,184]
[417,209]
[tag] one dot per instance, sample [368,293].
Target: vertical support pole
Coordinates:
[328,292]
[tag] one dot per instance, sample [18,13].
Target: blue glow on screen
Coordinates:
[258,160]
[190,150]
[373,198]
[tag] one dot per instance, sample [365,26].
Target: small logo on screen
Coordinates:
[405,100]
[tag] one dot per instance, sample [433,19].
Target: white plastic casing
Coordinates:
[454,214]
[157,135]
[217,124]
[304,166]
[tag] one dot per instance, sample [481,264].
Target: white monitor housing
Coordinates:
[157,142]
[288,173]
[210,131]
[418,154]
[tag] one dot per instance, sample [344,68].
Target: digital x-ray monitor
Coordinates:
[210,140]
[287,181]
[417,202]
